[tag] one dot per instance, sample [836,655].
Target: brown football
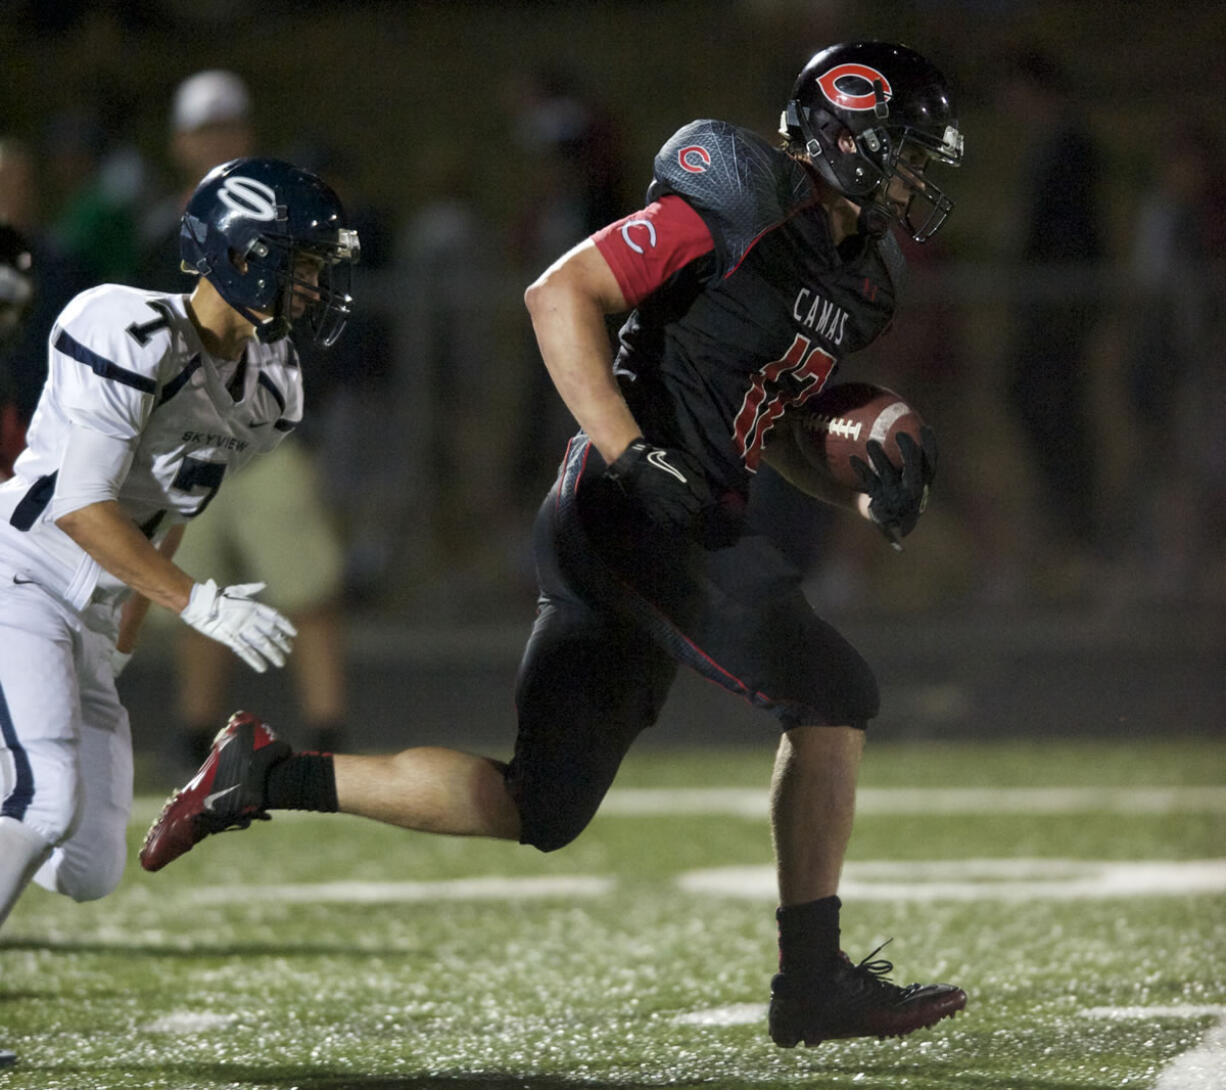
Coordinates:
[838,422]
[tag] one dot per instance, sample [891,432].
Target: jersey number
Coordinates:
[141,333]
[792,380]
[197,473]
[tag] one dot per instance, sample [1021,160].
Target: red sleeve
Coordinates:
[645,248]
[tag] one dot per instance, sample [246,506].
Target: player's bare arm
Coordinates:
[135,609]
[568,304]
[111,538]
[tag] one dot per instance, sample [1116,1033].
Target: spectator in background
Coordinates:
[353,392]
[572,151]
[16,294]
[1060,247]
[269,522]
[53,280]
[210,122]
[451,401]
[102,184]
[1176,337]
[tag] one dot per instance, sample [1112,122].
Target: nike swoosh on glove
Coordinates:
[898,494]
[255,632]
[668,485]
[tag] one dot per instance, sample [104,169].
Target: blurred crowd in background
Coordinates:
[1066,334]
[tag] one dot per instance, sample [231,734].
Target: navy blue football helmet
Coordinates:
[899,112]
[247,227]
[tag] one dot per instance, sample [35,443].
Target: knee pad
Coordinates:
[550,835]
[102,877]
[549,822]
[84,873]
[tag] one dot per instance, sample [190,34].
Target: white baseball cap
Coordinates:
[209,97]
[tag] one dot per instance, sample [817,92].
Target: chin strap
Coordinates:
[274,329]
[267,330]
[873,220]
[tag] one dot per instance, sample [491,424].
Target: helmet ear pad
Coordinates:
[238,264]
[841,154]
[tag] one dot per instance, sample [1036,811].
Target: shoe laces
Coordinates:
[871,976]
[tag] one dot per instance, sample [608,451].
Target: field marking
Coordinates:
[1182,1010]
[981,880]
[752,802]
[183,1022]
[456,889]
[866,880]
[735,1014]
[1200,1068]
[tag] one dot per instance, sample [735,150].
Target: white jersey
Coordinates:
[130,365]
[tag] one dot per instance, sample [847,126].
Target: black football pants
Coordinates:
[621,605]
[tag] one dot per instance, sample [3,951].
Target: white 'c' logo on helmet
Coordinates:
[249,197]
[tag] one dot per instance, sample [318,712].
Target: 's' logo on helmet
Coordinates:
[694,158]
[850,86]
[249,197]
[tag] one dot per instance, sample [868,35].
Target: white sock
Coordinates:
[22,852]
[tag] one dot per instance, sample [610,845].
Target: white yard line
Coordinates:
[981,880]
[736,1014]
[458,889]
[752,802]
[1200,1068]
[1018,880]
[187,1022]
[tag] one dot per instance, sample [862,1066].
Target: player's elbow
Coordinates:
[578,281]
[536,295]
[74,515]
[553,291]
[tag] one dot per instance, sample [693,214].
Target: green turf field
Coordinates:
[1077,893]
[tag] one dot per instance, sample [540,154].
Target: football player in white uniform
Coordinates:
[151,401]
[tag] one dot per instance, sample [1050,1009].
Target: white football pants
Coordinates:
[65,748]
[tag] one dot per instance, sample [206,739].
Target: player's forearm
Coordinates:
[135,609]
[112,539]
[568,304]
[584,380]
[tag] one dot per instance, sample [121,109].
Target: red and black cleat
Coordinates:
[227,792]
[855,1001]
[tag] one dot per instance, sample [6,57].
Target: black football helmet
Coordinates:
[16,280]
[899,111]
[269,213]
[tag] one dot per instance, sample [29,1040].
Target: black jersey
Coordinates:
[723,346]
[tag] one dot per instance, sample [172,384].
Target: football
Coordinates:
[837,423]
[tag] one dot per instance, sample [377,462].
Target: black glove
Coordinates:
[667,485]
[898,496]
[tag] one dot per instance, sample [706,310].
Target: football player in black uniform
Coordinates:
[749,274]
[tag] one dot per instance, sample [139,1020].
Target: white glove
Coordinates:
[119,659]
[256,633]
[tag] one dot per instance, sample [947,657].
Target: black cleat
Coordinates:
[855,1001]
